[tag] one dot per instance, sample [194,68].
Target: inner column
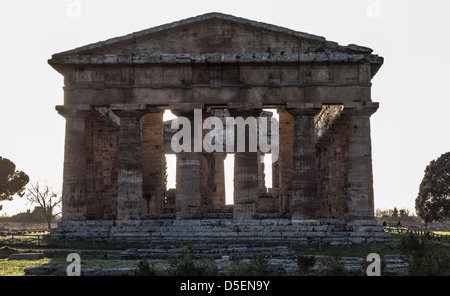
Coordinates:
[286,137]
[219,179]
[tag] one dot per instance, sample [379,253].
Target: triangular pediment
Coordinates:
[214,33]
[215,38]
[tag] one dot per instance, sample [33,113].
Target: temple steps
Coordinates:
[275,230]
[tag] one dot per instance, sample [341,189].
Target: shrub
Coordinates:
[333,266]
[305,263]
[411,243]
[424,259]
[146,269]
[187,265]
[429,264]
[258,266]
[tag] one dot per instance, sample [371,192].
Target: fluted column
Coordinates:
[75,168]
[129,161]
[304,203]
[246,185]
[188,199]
[360,202]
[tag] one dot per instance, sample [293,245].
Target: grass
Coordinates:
[100,259]
[16,267]
[442,232]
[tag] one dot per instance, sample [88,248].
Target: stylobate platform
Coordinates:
[334,231]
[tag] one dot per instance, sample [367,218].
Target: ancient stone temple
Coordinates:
[115,94]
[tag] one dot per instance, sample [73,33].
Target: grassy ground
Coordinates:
[111,259]
[442,232]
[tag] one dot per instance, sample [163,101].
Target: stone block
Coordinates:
[45,269]
[119,272]
[26,256]
[306,222]
[209,222]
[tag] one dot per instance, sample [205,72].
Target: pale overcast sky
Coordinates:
[408,131]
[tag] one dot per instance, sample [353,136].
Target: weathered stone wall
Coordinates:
[332,162]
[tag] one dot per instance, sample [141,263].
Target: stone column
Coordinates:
[219,178]
[246,185]
[261,174]
[153,169]
[188,201]
[129,161]
[286,136]
[75,167]
[304,203]
[360,177]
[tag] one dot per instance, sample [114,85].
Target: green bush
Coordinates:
[187,265]
[429,264]
[333,266]
[258,266]
[305,263]
[411,243]
[424,259]
[146,269]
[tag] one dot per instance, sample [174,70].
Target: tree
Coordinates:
[395,213]
[433,199]
[12,182]
[404,214]
[46,199]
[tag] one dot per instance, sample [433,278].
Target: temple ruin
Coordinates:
[116,92]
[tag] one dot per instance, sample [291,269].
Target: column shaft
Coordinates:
[188,201]
[75,167]
[246,184]
[304,203]
[360,176]
[153,163]
[286,137]
[129,161]
[219,178]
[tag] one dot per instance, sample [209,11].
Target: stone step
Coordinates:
[211,251]
[224,229]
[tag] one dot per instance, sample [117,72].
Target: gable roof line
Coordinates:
[199,18]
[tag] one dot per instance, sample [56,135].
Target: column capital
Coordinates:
[360,108]
[244,109]
[129,110]
[303,109]
[74,111]
[155,109]
[186,109]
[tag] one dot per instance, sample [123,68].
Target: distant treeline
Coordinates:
[398,215]
[35,216]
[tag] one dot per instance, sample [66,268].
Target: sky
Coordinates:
[408,131]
